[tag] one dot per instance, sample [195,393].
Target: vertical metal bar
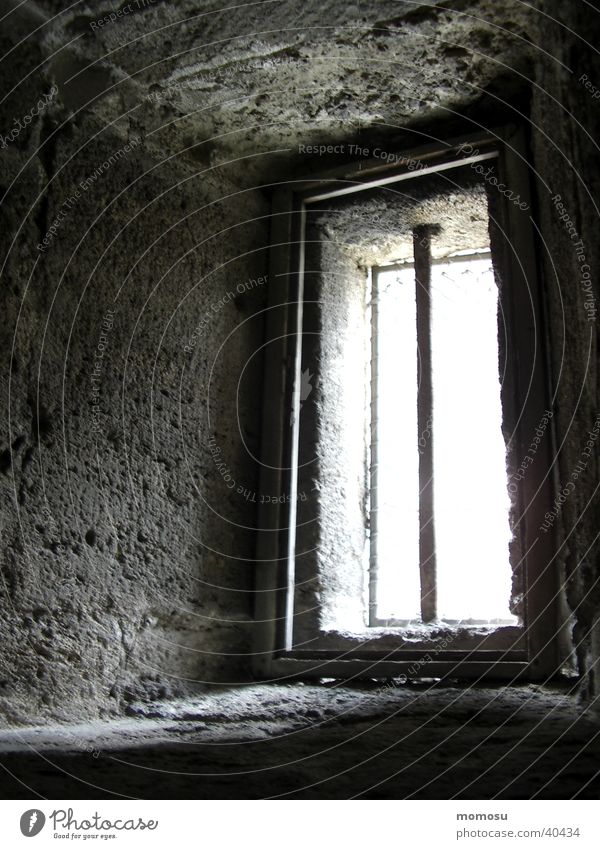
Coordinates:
[427,564]
[269,548]
[296,348]
[374,459]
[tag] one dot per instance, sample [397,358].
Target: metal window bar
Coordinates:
[427,565]
[374,450]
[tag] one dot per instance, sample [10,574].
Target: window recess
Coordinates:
[404,377]
[439,506]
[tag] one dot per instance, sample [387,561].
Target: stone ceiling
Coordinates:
[251,82]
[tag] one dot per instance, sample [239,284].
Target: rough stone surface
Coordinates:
[376,227]
[266,77]
[565,144]
[126,556]
[383,740]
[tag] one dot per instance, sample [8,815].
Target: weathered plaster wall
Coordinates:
[125,553]
[258,80]
[126,556]
[333,436]
[565,132]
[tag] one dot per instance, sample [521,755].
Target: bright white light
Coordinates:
[398,587]
[471,502]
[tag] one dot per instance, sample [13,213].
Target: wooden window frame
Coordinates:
[524,395]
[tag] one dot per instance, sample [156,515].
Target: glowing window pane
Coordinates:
[471,501]
[398,591]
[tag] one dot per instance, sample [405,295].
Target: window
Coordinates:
[435,381]
[404,381]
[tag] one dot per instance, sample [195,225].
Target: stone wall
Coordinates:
[128,480]
[126,555]
[565,122]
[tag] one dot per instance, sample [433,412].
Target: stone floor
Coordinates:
[319,741]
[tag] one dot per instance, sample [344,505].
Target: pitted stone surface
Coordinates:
[382,740]
[127,560]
